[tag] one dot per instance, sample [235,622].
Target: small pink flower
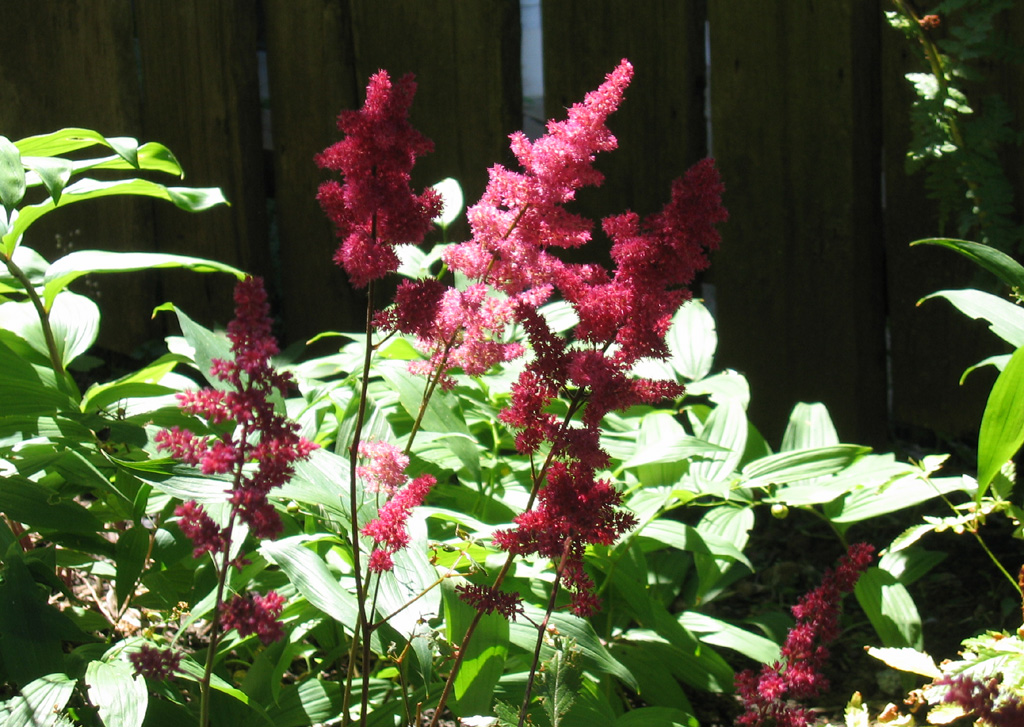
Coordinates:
[388,528]
[798,675]
[386,471]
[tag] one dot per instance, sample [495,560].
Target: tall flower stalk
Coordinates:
[513,267]
[769,696]
[256,448]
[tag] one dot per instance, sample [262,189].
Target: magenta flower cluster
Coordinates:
[155,663]
[255,434]
[798,675]
[512,262]
[386,474]
[374,209]
[983,700]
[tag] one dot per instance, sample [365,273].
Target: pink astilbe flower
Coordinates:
[246,401]
[521,214]
[388,528]
[798,675]
[205,534]
[489,600]
[386,471]
[252,613]
[155,663]
[374,209]
[983,701]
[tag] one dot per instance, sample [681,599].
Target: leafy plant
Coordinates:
[960,142]
[523,483]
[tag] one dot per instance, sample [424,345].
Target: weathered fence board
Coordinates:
[465,57]
[808,113]
[199,70]
[72,64]
[800,273]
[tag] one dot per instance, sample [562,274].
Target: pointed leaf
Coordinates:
[804,464]
[309,574]
[692,340]
[907,659]
[41,702]
[120,698]
[54,174]
[995,261]
[1002,424]
[12,175]
[84,262]
[1006,319]
[889,607]
[191,200]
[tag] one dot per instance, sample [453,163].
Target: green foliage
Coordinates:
[95,567]
[961,142]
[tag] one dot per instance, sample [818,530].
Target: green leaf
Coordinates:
[309,574]
[84,262]
[41,702]
[719,633]
[809,427]
[131,550]
[54,174]
[726,427]
[206,345]
[32,631]
[442,413]
[39,506]
[484,660]
[692,341]
[595,654]
[60,142]
[1002,424]
[313,701]
[889,607]
[12,175]
[656,717]
[795,466]
[995,261]
[188,199]
[907,659]
[1006,319]
[120,698]
[74,321]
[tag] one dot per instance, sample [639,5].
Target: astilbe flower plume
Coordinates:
[251,381]
[252,613]
[373,209]
[798,675]
[155,663]
[386,474]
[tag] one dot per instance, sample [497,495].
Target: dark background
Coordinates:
[814,288]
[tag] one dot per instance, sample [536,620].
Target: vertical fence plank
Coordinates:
[199,67]
[71,64]
[466,60]
[310,67]
[799,276]
[660,125]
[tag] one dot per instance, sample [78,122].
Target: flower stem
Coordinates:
[44,317]
[542,629]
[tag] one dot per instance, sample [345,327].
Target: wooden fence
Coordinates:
[814,286]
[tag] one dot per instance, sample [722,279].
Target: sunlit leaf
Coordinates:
[1002,424]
